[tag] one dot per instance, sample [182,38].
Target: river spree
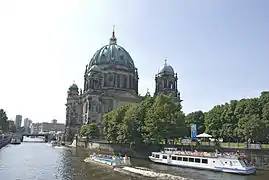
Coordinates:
[39,161]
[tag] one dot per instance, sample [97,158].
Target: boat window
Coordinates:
[174,158]
[185,159]
[164,157]
[243,163]
[197,160]
[157,155]
[213,161]
[191,159]
[205,161]
[246,162]
[179,158]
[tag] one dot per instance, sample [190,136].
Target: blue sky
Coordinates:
[220,49]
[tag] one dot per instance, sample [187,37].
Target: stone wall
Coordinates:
[4,140]
[142,151]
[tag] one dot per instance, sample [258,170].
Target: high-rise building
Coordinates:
[18,120]
[27,124]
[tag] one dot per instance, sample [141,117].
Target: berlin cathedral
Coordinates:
[110,81]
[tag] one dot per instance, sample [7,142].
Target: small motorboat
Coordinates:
[53,143]
[15,140]
[113,161]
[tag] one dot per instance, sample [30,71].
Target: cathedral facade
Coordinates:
[110,81]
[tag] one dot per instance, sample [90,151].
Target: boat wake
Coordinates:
[60,147]
[141,171]
[149,173]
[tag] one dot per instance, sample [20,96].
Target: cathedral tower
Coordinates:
[73,111]
[166,81]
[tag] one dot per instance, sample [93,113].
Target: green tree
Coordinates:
[164,120]
[213,121]
[90,130]
[112,122]
[3,121]
[197,118]
[131,128]
[245,119]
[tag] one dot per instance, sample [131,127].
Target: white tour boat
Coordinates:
[203,160]
[113,161]
[15,140]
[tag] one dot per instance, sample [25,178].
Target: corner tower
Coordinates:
[166,81]
[73,112]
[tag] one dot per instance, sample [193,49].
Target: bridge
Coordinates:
[45,135]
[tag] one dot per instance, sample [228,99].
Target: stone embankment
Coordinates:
[4,140]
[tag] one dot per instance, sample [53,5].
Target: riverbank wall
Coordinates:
[259,157]
[4,140]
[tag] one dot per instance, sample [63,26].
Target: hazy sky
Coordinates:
[219,48]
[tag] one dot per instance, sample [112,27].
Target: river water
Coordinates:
[39,161]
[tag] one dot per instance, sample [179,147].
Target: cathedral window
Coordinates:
[111,79]
[124,81]
[122,57]
[106,79]
[130,81]
[118,80]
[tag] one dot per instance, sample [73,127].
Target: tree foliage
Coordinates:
[153,119]
[245,119]
[161,117]
[198,118]
[3,121]
[90,130]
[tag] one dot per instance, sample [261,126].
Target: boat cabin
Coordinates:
[170,150]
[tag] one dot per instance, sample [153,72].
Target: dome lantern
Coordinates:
[166,69]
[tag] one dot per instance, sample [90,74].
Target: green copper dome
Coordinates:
[73,86]
[112,54]
[166,69]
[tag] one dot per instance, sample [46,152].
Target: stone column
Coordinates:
[136,85]
[121,81]
[114,104]
[84,83]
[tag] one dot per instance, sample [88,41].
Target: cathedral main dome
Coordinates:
[112,54]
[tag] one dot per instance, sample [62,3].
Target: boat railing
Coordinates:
[205,154]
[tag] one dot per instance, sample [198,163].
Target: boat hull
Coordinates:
[247,171]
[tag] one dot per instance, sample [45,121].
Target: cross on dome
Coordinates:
[113,39]
[165,61]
